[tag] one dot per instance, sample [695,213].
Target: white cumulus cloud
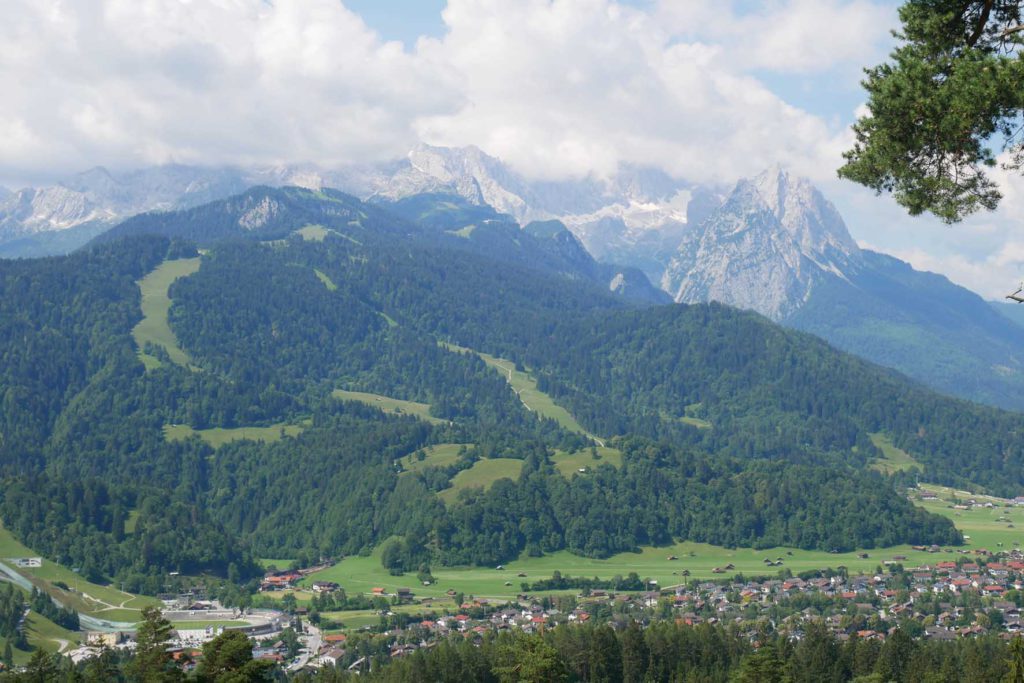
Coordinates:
[556,87]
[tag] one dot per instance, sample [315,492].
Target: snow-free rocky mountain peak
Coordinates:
[764,249]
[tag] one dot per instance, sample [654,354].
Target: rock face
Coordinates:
[764,249]
[635,217]
[777,246]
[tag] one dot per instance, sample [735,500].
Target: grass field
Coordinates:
[209,624]
[389,405]
[483,473]
[218,436]
[571,463]
[441,455]
[274,562]
[131,521]
[153,327]
[313,233]
[526,389]
[328,282]
[105,602]
[894,459]
[42,632]
[987,528]
[361,574]
[356,619]
[463,232]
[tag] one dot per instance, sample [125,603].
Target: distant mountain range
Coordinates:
[635,215]
[266,214]
[772,244]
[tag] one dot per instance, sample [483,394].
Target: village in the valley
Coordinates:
[962,592]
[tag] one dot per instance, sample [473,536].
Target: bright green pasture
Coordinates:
[156,304]
[894,459]
[571,463]
[389,405]
[43,633]
[209,624]
[986,527]
[218,436]
[272,562]
[482,474]
[441,455]
[361,574]
[356,619]
[328,282]
[526,389]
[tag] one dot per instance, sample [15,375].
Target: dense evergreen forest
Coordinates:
[669,652]
[732,430]
[662,652]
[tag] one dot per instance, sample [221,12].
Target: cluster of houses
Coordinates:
[288,579]
[868,606]
[971,502]
[915,594]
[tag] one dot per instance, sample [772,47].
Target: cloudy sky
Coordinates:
[557,88]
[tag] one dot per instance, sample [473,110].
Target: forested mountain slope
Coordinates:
[732,430]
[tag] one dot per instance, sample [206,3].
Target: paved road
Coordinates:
[313,640]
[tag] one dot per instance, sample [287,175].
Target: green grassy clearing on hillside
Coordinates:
[281,564]
[463,232]
[441,455]
[389,405]
[153,328]
[20,658]
[318,233]
[131,521]
[688,417]
[218,436]
[43,633]
[895,459]
[483,473]
[979,523]
[328,282]
[525,387]
[313,233]
[571,463]
[86,597]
